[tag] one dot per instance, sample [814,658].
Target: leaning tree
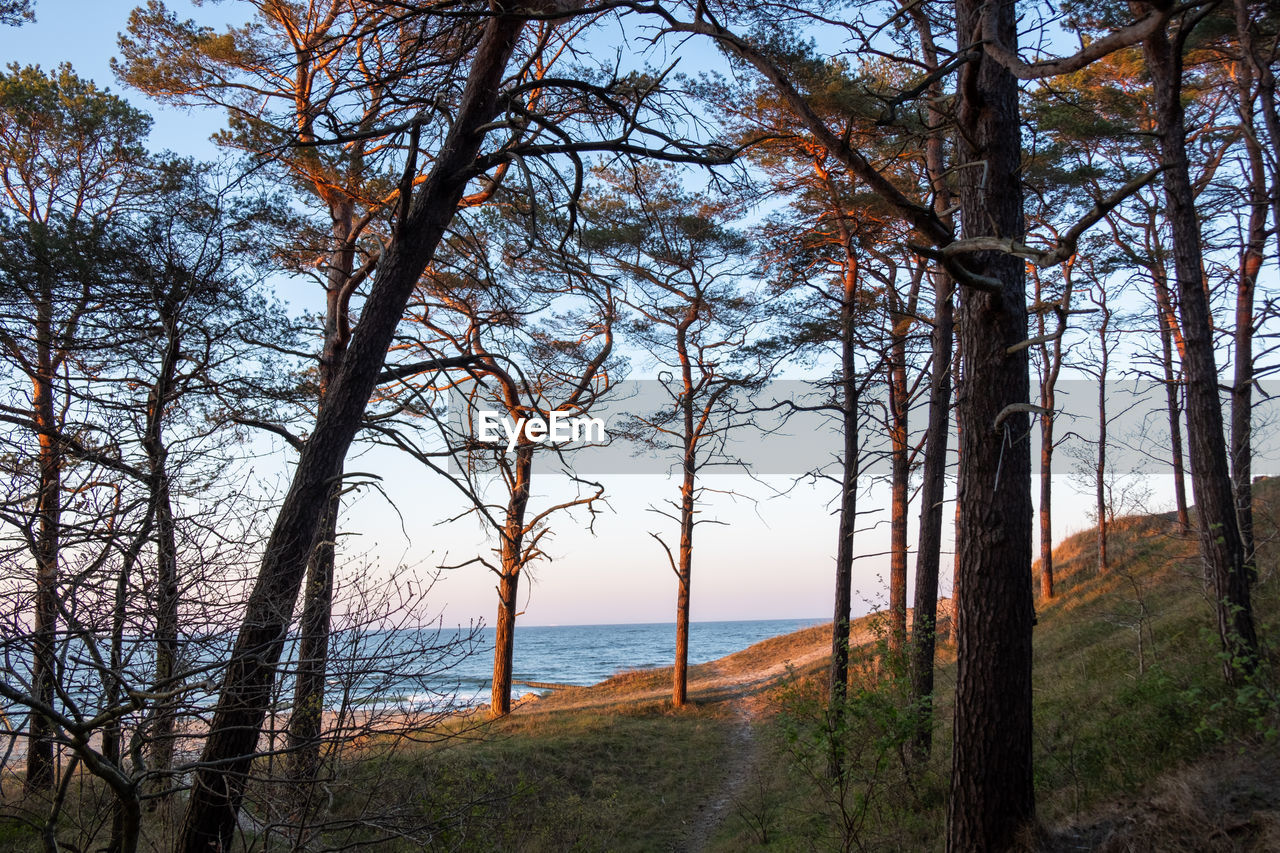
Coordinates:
[492,102]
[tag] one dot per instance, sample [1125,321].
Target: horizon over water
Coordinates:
[816,620]
[582,655]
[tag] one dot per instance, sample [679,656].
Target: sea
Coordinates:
[437,668]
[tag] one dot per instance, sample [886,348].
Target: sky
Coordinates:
[766,557]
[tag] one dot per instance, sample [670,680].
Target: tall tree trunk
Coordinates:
[957,381]
[1046,491]
[849,464]
[1251,256]
[688,484]
[1100,468]
[900,474]
[684,571]
[934,477]
[127,830]
[1050,369]
[1242,398]
[41,771]
[992,794]
[928,553]
[306,715]
[112,732]
[166,548]
[512,562]
[1229,572]
[1170,334]
[306,720]
[218,786]
[504,642]
[932,489]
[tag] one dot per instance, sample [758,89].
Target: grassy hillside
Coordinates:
[1139,744]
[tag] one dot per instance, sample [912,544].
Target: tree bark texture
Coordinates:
[839,671]
[512,562]
[688,485]
[1100,468]
[932,489]
[1171,334]
[306,715]
[684,568]
[900,475]
[41,771]
[306,719]
[504,643]
[1046,492]
[992,795]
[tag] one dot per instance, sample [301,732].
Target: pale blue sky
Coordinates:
[773,559]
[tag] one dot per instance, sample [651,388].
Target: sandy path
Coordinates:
[736,679]
[732,679]
[743,754]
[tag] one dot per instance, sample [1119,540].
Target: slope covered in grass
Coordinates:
[1139,744]
[1133,720]
[1135,730]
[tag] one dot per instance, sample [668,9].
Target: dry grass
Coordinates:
[1138,742]
[1134,728]
[1228,801]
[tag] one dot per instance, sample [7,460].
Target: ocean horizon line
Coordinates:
[816,620]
